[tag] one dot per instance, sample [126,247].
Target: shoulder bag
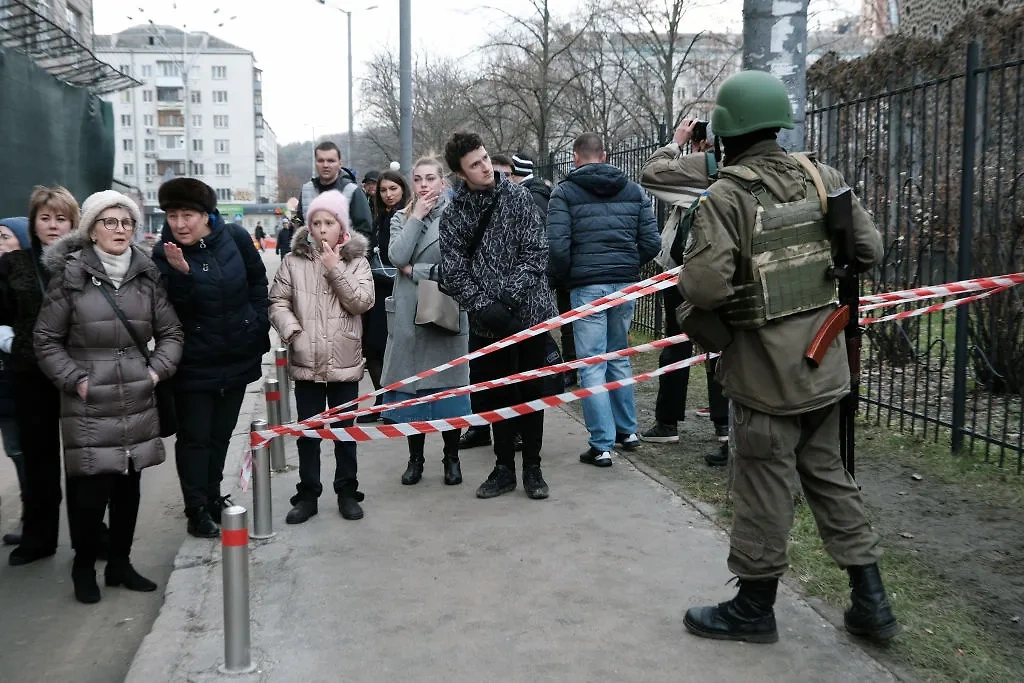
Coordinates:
[162,392]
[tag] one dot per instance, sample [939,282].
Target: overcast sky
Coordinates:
[301,44]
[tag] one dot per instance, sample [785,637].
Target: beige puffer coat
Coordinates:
[318,313]
[78,336]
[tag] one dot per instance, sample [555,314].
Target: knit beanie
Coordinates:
[97,203]
[334,203]
[522,165]
[187,193]
[19,226]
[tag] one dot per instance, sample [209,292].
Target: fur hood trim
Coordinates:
[356,247]
[57,255]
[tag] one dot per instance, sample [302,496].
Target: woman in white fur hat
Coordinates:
[109,422]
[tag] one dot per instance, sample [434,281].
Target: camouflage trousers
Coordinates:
[770,452]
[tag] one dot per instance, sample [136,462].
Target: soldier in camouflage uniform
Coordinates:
[754,279]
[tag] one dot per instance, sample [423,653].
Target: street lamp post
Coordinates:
[351,126]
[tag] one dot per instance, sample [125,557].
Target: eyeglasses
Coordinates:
[111,223]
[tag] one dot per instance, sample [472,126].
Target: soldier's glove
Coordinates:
[499,318]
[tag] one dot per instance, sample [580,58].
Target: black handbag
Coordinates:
[162,392]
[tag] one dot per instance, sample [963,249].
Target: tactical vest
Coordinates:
[786,268]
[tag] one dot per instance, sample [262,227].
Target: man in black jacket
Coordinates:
[494,255]
[330,175]
[601,231]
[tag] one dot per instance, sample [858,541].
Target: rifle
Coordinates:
[839,219]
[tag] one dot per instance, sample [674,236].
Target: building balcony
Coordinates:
[171,154]
[164,105]
[167,81]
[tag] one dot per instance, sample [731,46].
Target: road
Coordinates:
[45,635]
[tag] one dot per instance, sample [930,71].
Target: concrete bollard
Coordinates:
[234,540]
[281,363]
[272,389]
[263,516]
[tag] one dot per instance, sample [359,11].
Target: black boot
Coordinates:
[452,466]
[83,576]
[475,437]
[348,501]
[201,524]
[218,504]
[748,617]
[303,508]
[718,457]
[414,471]
[870,615]
[501,480]
[120,572]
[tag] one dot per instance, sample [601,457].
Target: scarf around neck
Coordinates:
[116,267]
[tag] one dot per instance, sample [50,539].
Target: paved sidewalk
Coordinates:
[436,585]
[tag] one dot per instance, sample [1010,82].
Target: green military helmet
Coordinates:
[749,101]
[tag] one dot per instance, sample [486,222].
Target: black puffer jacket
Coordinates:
[601,228]
[22,282]
[223,305]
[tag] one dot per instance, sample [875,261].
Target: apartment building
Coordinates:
[198,112]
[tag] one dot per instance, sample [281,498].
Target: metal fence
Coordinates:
[940,165]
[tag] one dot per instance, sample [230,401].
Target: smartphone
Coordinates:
[700,132]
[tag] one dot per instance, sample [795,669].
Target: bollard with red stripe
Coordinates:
[273,391]
[234,541]
[263,517]
[283,383]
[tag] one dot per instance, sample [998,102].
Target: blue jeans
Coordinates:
[611,412]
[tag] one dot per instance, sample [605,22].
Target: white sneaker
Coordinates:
[628,443]
[596,458]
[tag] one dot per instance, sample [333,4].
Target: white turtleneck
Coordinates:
[116,266]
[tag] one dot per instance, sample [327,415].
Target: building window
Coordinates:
[168,69]
[148,119]
[219,73]
[126,96]
[223,169]
[126,69]
[129,170]
[221,146]
[220,96]
[74,18]
[126,120]
[220,121]
[171,119]
[151,195]
[172,95]
[147,95]
[147,70]
[197,97]
[197,121]
[150,145]
[128,145]
[172,141]
[257,98]
[223,194]
[197,145]
[197,169]
[150,169]
[261,180]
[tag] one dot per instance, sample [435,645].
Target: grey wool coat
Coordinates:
[78,336]
[414,348]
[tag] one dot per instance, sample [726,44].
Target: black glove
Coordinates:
[500,319]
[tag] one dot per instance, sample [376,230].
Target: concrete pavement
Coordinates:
[436,585]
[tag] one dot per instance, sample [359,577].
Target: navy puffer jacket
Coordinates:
[601,228]
[223,305]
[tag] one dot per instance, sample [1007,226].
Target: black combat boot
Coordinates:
[748,617]
[870,615]
[414,471]
[349,498]
[303,507]
[218,504]
[452,466]
[83,576]
[120,572]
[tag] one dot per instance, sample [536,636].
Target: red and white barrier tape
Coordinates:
[259,439]
[951,289]
[934,307]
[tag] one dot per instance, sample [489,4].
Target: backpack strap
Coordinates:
[812,171]
[712,164]
[749,180]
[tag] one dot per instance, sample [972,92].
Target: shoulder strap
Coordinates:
[239,234]
[124,321]
[812,171]
[712,164]
[743,175]
[481,228]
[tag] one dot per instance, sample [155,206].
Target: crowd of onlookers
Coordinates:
[109,349]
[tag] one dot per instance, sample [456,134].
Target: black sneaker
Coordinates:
[718,457]
[629,442]
[597,458]
[475,437]
[533,483]
[722,433]
[661,433]
[501,480]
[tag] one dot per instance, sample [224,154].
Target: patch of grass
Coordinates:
[943,638]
